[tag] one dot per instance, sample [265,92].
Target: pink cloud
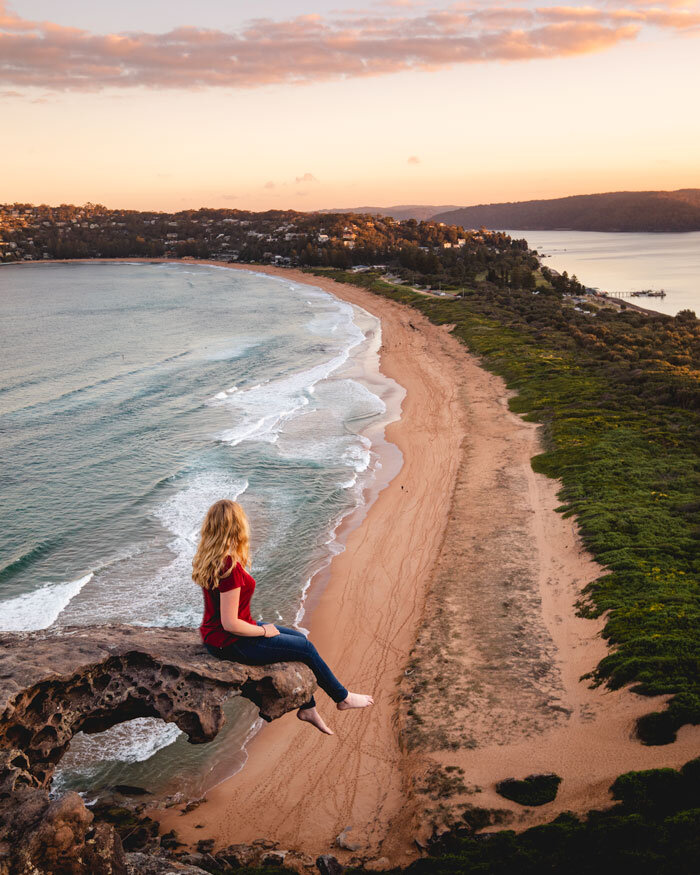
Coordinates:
[313,48]
[307,177]
[414,159]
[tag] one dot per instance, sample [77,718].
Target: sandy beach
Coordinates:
[363,623]
[453,604]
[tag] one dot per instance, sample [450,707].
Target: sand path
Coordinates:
[494,685]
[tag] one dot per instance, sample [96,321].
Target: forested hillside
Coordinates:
[614,211]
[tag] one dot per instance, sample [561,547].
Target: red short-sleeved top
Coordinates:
[211,630]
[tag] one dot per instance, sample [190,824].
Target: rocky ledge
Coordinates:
[87,679]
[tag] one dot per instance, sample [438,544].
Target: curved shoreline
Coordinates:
[472,509]
[362,365]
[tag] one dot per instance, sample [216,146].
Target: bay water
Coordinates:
[627,262]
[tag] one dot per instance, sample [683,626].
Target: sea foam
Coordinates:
[182,516]
[133,741]
[262,410]
[40,608]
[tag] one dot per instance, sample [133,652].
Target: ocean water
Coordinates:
[626,262]
[132,397]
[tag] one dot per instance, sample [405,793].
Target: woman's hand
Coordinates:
[270,630]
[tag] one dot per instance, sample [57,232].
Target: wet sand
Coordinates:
[303,788]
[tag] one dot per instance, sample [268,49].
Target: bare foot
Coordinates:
[355,700]
[311,715]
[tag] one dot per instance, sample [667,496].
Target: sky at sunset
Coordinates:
[307,104]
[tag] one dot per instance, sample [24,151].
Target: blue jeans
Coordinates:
[289,646]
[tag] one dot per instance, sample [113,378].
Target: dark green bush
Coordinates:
[533,790]
[653,830]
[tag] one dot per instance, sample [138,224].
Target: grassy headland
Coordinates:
[618,393]
[652,830]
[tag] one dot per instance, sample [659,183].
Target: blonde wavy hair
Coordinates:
[225,530]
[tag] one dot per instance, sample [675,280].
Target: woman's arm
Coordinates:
[232,623]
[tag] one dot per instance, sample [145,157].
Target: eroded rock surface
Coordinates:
[56,683]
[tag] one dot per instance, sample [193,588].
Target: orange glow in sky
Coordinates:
[315,107]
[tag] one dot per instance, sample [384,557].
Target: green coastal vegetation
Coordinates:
[653,829]
[618,395]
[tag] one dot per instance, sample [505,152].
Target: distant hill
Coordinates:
[404,211]
[613,211]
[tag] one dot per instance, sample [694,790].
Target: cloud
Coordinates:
[230,197]
[269,184]
[315,48]
[307,177]
[658,4]
[414,159]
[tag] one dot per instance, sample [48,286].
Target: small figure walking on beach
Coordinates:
[228,629]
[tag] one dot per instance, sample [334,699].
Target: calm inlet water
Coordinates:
[627,263]
[132,397]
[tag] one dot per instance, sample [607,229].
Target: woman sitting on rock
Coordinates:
[228,629]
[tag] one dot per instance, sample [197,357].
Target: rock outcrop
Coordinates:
[54,684]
